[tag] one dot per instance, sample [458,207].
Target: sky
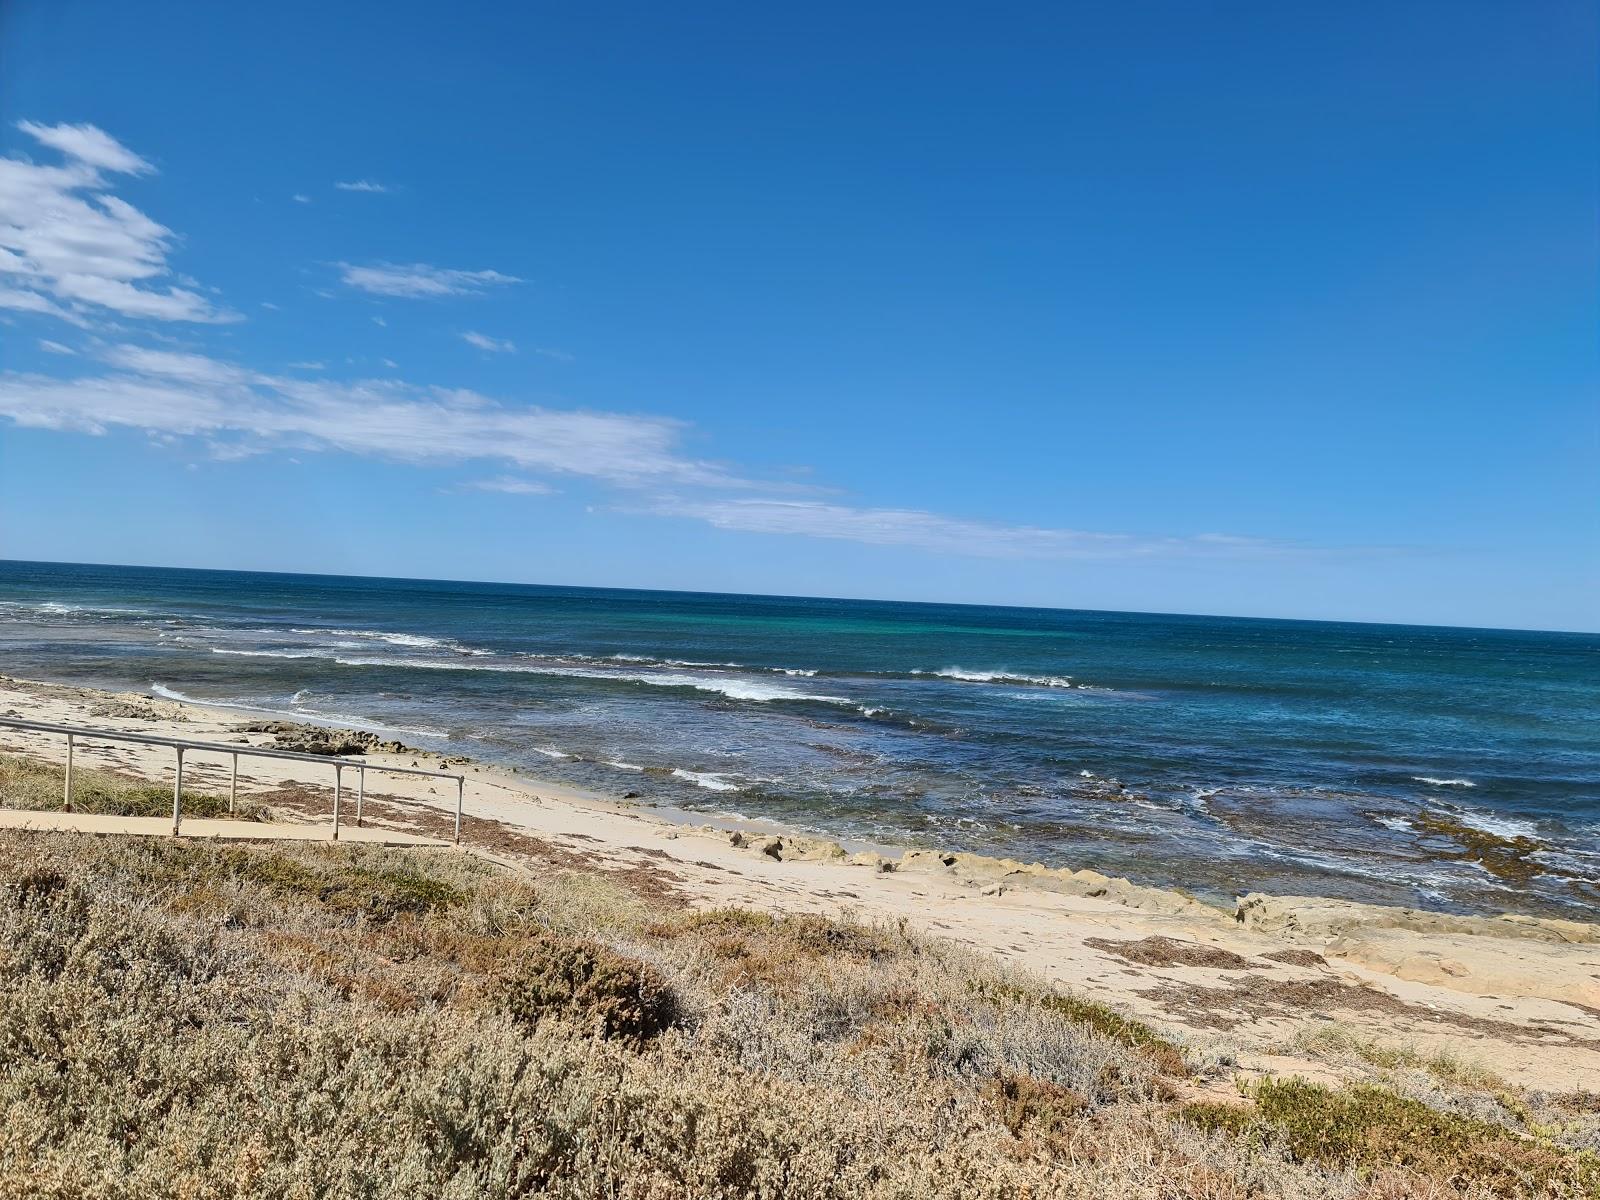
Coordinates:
[1248,308]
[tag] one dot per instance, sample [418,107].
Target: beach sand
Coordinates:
[1519,996]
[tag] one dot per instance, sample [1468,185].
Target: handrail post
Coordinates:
[233,783]
[361,791]
[66,792]
[177,793]
[338,787]
[461,792]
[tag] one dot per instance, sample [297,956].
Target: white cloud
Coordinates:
[931,531]
[69,247]
[50,347]
[89,145]
[308,366]
[168,393]
[362,185]
[558,355]
[419,279]
[170,396]
[493,345]
[512,486]
[301,198]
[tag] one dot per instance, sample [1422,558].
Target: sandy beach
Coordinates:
[1517,995]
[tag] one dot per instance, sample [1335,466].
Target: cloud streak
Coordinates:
[493,345]
[923,530]
[71,249]
[363,185]
[171,393]
[419,280]
[237,412]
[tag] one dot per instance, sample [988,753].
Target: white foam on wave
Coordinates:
[549,753]
[621,766]
[1431,781]
[735,689]
[414,641]
[1398,824]
[57,608]
[706,779]
[270,653]
[296,711]
[1499,826]
[966,676]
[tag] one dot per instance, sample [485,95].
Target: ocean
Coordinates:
[1449,769]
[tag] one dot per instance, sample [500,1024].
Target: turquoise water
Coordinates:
[1216,753]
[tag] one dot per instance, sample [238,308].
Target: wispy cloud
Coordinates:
[176,394]
[233,411]
[301,198]
[931,531]
[50,347]
[511,485]
[493,345]
[70,248]
[419,280]
[362,185]
[89,145]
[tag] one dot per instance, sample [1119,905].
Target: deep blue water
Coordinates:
[1222,754]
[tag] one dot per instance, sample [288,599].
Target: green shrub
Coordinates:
[582,982]
[1372,1127]
[1133,1034]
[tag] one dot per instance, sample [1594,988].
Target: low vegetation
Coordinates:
[210,1021]
[1370,1126]
[27,783]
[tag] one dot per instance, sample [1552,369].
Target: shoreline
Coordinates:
[1521,994]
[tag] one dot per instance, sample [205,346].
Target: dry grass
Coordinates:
[27,783]
[185,1019]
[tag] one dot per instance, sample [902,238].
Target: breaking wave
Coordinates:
[966,676]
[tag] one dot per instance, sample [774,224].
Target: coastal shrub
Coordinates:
[1028,1104]
[30,784]
[1163,1054]
[1370,1126]
[583,982]
[227,1021]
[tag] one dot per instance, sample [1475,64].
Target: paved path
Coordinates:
[197,827]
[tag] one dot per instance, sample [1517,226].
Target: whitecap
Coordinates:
[966,676]
[415,641]
[1499,826]
[1431,781]
[706,779]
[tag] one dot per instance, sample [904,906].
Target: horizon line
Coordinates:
[1132,612]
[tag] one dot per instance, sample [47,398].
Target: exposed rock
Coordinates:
[978,870]
[137,709]
[314,739]
[1483,966]
[871,858]
[1319,920]
[772,847]
[811,849]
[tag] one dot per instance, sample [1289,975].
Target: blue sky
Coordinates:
[1254,308]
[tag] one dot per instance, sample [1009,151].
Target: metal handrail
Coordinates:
[74,732]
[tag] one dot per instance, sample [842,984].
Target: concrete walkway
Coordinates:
[222,830]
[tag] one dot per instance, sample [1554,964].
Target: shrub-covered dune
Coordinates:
[182,1018]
